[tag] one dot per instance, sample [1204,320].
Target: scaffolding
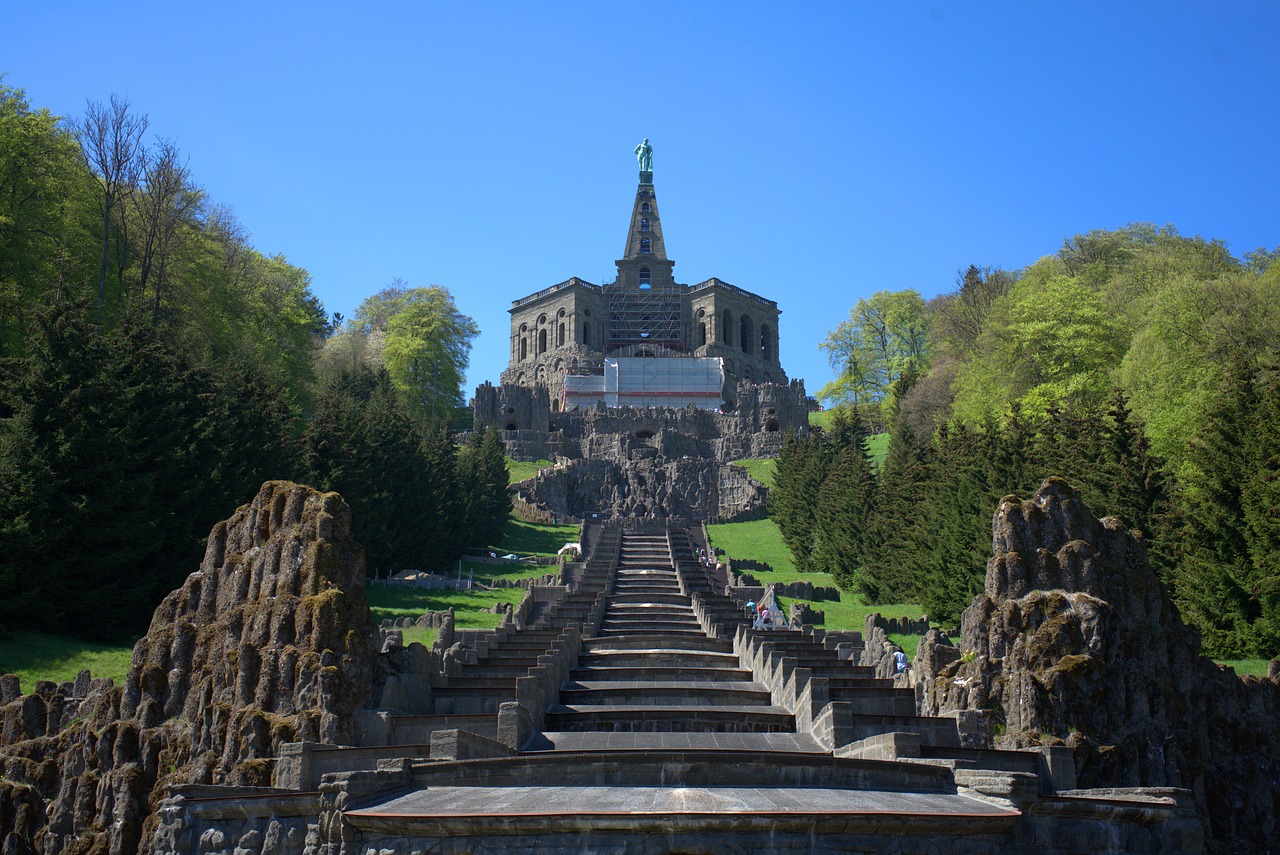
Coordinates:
[648,382]
[647,315]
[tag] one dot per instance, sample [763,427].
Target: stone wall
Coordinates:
[602,489]
[1076,642]
[532,432]
[567,324]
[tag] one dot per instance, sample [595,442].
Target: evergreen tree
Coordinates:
[361,443]
[899,489]
[445,519]
[1226,558]
[843,509]
[104,440]
[803,464]
[482,468]
[951,542]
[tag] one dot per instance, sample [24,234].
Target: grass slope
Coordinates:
[36,656]
[761,470]
[761,540]
[519,470]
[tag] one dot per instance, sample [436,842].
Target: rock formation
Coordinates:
[1075,641]
[269,642]
[637,487]
[631,461]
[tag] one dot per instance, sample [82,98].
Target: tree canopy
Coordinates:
[156,368]
[1138,364]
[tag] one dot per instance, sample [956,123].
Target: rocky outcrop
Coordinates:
[269,642]
[641,485]
[1075,641]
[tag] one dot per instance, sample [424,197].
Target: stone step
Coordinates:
[670,598]
[671,640]
[650,658]
[671,717]
[673,672]
[627,631]
[753,744]
[653,624]
[660,693]
[657,642]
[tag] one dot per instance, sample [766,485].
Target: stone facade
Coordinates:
[532,431]
[572,326]
[620,460]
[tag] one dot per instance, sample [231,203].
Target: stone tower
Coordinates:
[574,326]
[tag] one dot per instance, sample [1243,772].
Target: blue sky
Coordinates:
[812,153]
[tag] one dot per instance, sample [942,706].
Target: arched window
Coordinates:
[727,332]
[560,335]
[644,224]
[744,334]
[702,333]
[586,333]
[524,347]
[542,341]
[645,277]
[644,246]
[644,206]
[766,346]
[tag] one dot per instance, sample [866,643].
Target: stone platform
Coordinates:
[650,718]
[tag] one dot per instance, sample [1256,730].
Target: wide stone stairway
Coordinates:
[669,725]
[653,678]
[637,711]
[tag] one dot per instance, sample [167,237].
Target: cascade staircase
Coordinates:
[639,712]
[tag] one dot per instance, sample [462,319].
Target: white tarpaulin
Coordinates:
[636,381]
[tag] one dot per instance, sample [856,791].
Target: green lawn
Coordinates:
[1256,667]
[519,470]
[470,608]
[36,656]
[761,540]
[762,470]
[526,538]
[821,418]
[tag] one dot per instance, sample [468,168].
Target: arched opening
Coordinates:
[644,246]
[727,332]
[766,342]
[644,206]
[586,333]
[542,341]
[744,334]
[644,433]
[646,278]
[555,405]
[510,426]
[771,426]
[702,333]
[644,224]
[560,335]
[524,348]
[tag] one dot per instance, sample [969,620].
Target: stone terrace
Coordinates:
[635,710]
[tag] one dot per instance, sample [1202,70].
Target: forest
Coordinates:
[1138,364]
[156,368]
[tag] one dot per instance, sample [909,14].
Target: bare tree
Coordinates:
[164,203]
[111,145]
